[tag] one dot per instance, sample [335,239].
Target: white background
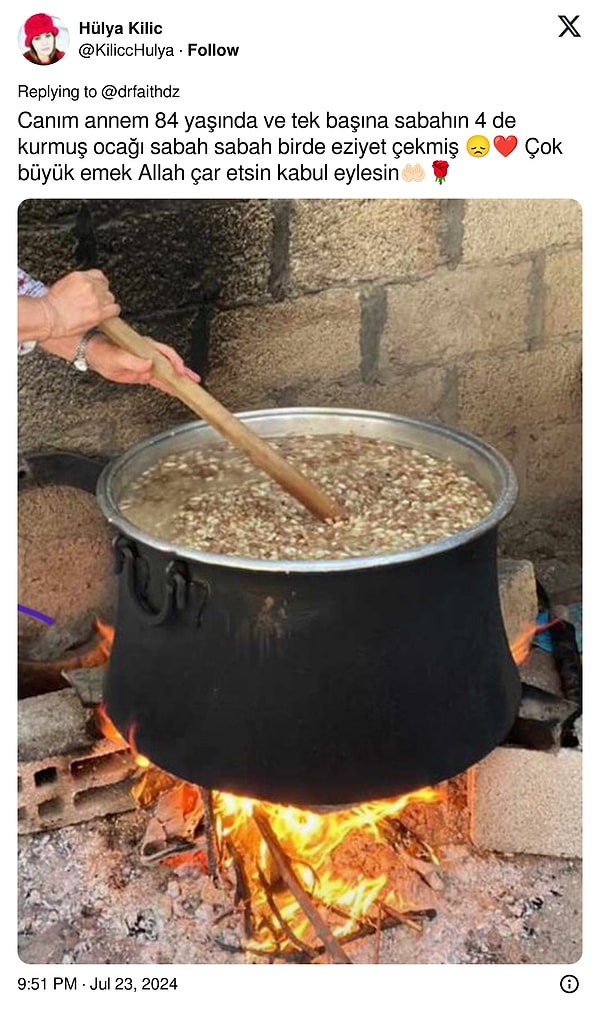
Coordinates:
[376,57]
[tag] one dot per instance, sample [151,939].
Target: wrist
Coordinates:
[70,349]
[48,316]
[35,319]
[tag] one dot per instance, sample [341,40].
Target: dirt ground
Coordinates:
[490,908]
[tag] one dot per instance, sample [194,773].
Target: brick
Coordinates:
[455,314]
[336,241]
[498,229]
[497,393]
[554,461]
[527,801]
[96,416]
[416,393]
[163,260]
[562,308]
[518,597]
[258,351]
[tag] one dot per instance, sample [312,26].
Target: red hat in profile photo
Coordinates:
[38,24]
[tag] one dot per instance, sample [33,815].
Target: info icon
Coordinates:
[569,983]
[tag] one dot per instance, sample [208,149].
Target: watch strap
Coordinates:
[80,361]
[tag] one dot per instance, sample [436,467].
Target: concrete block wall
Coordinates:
[464,311]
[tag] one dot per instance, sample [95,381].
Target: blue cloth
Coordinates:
[543,640]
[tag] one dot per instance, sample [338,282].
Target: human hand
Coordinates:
[113,363]
[77,303]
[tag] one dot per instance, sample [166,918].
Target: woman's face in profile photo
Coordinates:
[43,46]
[43,39]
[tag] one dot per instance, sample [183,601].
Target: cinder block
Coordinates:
[499,392]
[70,788]
[33,212]
[498,229]
[527,801]
[95,417]
[562,281]
[48,253]
[165,259]
[518,597]
[354,240]
[258,351]
[554,460]
[456,314]
[417,393]
[65,773]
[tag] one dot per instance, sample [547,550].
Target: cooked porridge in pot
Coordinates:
[215,500]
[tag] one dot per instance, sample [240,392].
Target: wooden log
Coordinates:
[299,944]
[333,948]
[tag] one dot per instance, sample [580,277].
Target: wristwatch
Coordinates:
[80,362]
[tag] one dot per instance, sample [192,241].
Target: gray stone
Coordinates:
[518,597]
[52,724]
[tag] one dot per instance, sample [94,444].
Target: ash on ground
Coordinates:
[85,898]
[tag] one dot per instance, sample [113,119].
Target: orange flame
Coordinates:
[110,731]
[522,646]
[107,636]
[310,840]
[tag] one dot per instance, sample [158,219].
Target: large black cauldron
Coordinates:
[319,682]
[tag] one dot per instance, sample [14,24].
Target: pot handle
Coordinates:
[181,595]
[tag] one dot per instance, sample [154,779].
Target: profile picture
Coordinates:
[43,39]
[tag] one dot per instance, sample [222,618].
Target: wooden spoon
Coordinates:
[213,412]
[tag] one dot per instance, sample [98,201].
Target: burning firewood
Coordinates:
[176,825]
[337,953]
[304,883]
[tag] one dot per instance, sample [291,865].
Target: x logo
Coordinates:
[569,24]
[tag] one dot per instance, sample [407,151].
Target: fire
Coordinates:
[522,646]
[106,637]
[318,851]
[309,840]
[108,730]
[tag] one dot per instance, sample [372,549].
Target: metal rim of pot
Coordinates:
[479,459]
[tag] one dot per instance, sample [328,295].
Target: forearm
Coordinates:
[73,305]
[34,323]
